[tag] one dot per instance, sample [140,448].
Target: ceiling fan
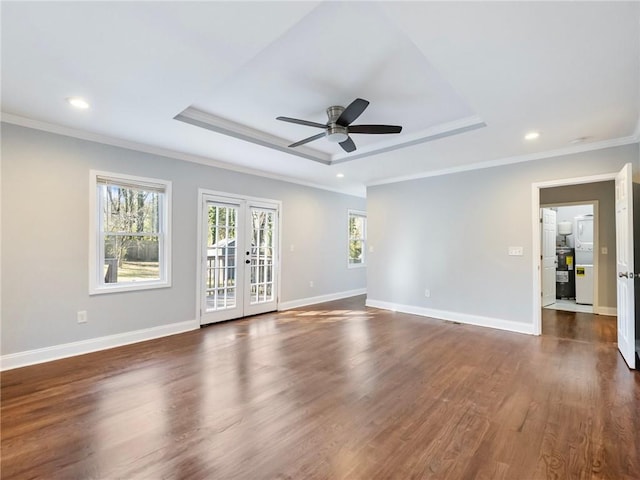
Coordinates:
[338,128]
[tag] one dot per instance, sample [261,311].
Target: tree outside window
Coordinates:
[357,238]
[132,226]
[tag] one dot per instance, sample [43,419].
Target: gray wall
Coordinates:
[45,238]
[451,234]
[604,193]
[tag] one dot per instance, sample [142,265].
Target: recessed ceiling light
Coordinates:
[78,102]
[340,175]
[532,135]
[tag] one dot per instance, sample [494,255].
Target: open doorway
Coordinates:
[569,238]
[598,191]
[615,254]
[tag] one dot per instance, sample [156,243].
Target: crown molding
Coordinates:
[164,152]
[428,135]
[208,121]
[616,142]
[212,122]
[104,139]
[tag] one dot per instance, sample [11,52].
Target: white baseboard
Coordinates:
[610,311]
[320,299]
[56,352]
[455,317]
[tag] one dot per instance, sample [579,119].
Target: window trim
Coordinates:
[357,213]
[96,253]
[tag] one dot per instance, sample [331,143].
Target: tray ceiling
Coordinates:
[569,70]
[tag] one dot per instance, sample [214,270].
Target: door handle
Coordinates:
[247,261]
[628,275]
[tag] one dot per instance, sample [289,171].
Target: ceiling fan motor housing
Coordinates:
[335,133]
[334,113]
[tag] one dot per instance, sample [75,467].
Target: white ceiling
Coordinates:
[565,69]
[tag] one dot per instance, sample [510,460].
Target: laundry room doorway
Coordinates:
[569,259]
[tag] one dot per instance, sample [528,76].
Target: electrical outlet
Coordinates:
[605,251]
[292,248]
[370,248]
[427,293]
[311,283]
[82,316]
[516,251]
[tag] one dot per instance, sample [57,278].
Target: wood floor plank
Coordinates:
[331,391]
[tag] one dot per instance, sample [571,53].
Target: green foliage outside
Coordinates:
[356,237]
[131,227]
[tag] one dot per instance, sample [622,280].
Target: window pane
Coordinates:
[130,210]
[130,258]
[131,222]
[356,227]
[355,251]
[357,238]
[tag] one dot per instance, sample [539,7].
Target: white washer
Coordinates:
[584,284]
[584,239]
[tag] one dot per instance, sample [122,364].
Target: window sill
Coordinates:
[130,287]
[357,265]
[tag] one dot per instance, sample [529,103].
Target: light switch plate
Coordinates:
[516,251]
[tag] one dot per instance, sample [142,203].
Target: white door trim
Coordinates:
[535,231]
[202,192]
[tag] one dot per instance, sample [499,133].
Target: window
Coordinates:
[130,234]
[357,238]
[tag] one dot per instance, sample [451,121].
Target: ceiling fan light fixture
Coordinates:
[337,134]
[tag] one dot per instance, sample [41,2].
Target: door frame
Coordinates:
[536,243]
[232,197]
[596,242]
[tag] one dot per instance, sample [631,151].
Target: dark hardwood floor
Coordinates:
[585,327]
[333,391]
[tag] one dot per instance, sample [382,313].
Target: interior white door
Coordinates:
[549,258]
[239,258]
[624,261]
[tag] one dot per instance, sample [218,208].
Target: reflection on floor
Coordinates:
[585,327]
[570,306]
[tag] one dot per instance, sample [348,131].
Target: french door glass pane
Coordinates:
[222,257]
[262,238]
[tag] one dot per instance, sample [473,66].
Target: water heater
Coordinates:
[565,229]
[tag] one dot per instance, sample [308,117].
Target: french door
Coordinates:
[238,257]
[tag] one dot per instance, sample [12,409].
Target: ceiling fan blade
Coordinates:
[301,122]
[348,145]
[353,111]
[307,140]
[377,129]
